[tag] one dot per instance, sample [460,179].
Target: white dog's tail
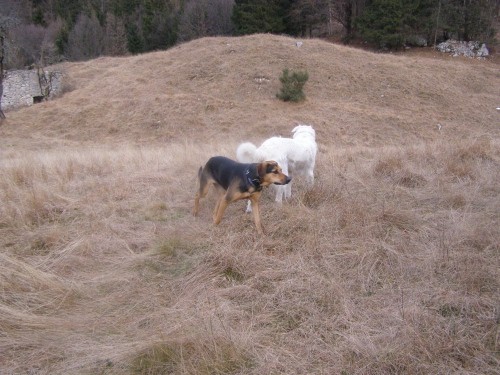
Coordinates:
[245,153]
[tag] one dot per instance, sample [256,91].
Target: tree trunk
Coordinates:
[2,116]
[437,23]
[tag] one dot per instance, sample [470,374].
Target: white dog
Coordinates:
[296,156]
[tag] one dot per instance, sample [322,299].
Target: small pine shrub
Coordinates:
[292,85]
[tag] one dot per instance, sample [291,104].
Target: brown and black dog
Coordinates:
[238,181]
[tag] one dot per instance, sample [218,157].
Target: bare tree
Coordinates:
[18,10]
[2,39]
[86,40]
[438,13]
[309,15]
[345,12]
[319,16]
[194,21]
[11,14]
[115,39]
[219,17]
[28,44]
[206,18]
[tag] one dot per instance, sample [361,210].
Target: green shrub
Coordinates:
[292,85]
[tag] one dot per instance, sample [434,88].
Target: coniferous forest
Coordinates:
[43,32]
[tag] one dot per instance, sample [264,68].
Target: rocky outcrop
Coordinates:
[460,48]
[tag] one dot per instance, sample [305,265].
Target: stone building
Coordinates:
[23,88]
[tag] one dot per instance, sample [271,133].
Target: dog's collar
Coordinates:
[255,182]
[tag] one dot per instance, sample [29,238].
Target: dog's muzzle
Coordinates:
[288,179]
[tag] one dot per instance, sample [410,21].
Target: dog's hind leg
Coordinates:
[201,193]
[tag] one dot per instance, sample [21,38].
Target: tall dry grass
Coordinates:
[389,264]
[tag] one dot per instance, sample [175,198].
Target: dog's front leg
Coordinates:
[288,190]
[220,208]
[310,178]
[280,192]
[216,208]
[256,212]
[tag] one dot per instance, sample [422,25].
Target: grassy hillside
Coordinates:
[227,86]
[389,264]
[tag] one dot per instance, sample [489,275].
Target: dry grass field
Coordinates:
[390,264]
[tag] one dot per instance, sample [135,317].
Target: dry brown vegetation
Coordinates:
[388,265]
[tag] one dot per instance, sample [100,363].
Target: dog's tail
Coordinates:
[245,153]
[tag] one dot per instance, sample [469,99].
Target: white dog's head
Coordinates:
[304,131]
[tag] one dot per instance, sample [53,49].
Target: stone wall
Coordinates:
[23,88]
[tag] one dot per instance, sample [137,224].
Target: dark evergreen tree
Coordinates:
[389,23]
[382,23]
[124,7]
[69,10]
[134,40]
[309,14]
[419,17]
[258,16]
[468,19]
[61,40]
[38,17]
[157,24]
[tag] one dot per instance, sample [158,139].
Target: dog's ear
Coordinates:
[261,169]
